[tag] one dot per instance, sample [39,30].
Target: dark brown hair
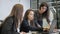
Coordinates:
[26,16]
[27,13]
[46,13]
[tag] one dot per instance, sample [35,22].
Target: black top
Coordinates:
[26,27]
[39,18]
[8,26]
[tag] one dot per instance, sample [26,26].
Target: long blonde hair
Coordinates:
[17,12]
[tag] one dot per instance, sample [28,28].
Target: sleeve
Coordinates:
[36,27]
[51,17]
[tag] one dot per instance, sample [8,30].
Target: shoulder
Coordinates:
[7,21]
[36,11]
[36,14]
[24,22]
[9,18]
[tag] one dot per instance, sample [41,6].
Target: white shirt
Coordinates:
[51,17]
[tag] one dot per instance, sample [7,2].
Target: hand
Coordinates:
[38,25]
[46,28]
[23,33]
[55,30]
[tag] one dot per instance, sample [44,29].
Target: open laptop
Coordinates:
[53,25]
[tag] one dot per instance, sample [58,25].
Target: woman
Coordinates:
[29,23]
[12,22]
[42,13]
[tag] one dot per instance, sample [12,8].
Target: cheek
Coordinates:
[43,10]
[31,17]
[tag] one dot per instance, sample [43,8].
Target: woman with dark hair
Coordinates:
[12,22]
[42,13]
[29,23]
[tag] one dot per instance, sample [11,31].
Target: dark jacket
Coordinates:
[26,27]
[39,18]
[8,27]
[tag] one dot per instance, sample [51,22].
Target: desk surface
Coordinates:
[35,32]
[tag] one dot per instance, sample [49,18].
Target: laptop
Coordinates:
[52,27]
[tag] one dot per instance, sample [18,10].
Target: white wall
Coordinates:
[6,6]
[26,4]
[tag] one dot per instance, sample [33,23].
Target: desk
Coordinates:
[35,32]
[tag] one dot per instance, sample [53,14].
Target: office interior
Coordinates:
[54,7]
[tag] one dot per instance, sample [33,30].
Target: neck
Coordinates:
[28,20]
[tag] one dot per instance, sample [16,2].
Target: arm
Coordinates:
[37,27]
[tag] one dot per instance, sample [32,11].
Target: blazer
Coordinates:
[38,18]
[8,27]
[25,27]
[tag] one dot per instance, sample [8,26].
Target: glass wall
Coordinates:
[34,4]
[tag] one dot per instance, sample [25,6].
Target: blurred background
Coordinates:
[6,6]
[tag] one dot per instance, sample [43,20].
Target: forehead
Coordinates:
[31,12]
[44,7]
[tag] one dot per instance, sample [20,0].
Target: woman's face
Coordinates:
[31,15]
[43,9]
